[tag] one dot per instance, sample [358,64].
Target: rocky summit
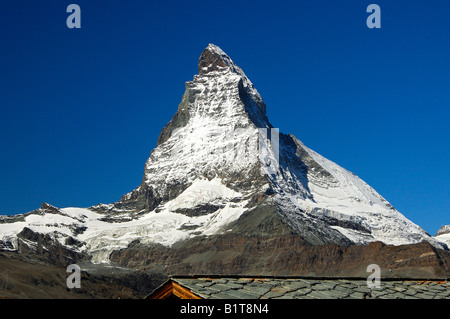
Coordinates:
[224,192]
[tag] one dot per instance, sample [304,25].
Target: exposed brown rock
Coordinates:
[209,61]
[233,254]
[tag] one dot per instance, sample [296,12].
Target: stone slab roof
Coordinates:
[306,288]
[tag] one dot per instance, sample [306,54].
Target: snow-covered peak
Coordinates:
[210,167]
[214,58]
[214,137]
[213,133]
[215,48]
[443,230]
[215,62]
[443,235]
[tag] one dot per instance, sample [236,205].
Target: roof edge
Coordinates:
[203,276]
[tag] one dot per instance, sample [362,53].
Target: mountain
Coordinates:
[443,235]
[222,176]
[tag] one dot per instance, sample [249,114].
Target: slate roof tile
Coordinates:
[307,288]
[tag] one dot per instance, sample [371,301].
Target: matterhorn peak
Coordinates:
[213,59]
[213,173]
[216,141]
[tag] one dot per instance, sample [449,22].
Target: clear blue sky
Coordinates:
[81,109]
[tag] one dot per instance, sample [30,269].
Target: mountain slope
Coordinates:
[219,168]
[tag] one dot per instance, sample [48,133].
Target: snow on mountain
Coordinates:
[211,165]
[443,235]
[166,225]
[346,197]
[100,236]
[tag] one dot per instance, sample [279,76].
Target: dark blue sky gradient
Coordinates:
[81,109]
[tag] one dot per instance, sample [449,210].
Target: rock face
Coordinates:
[289,255]
[223,188]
